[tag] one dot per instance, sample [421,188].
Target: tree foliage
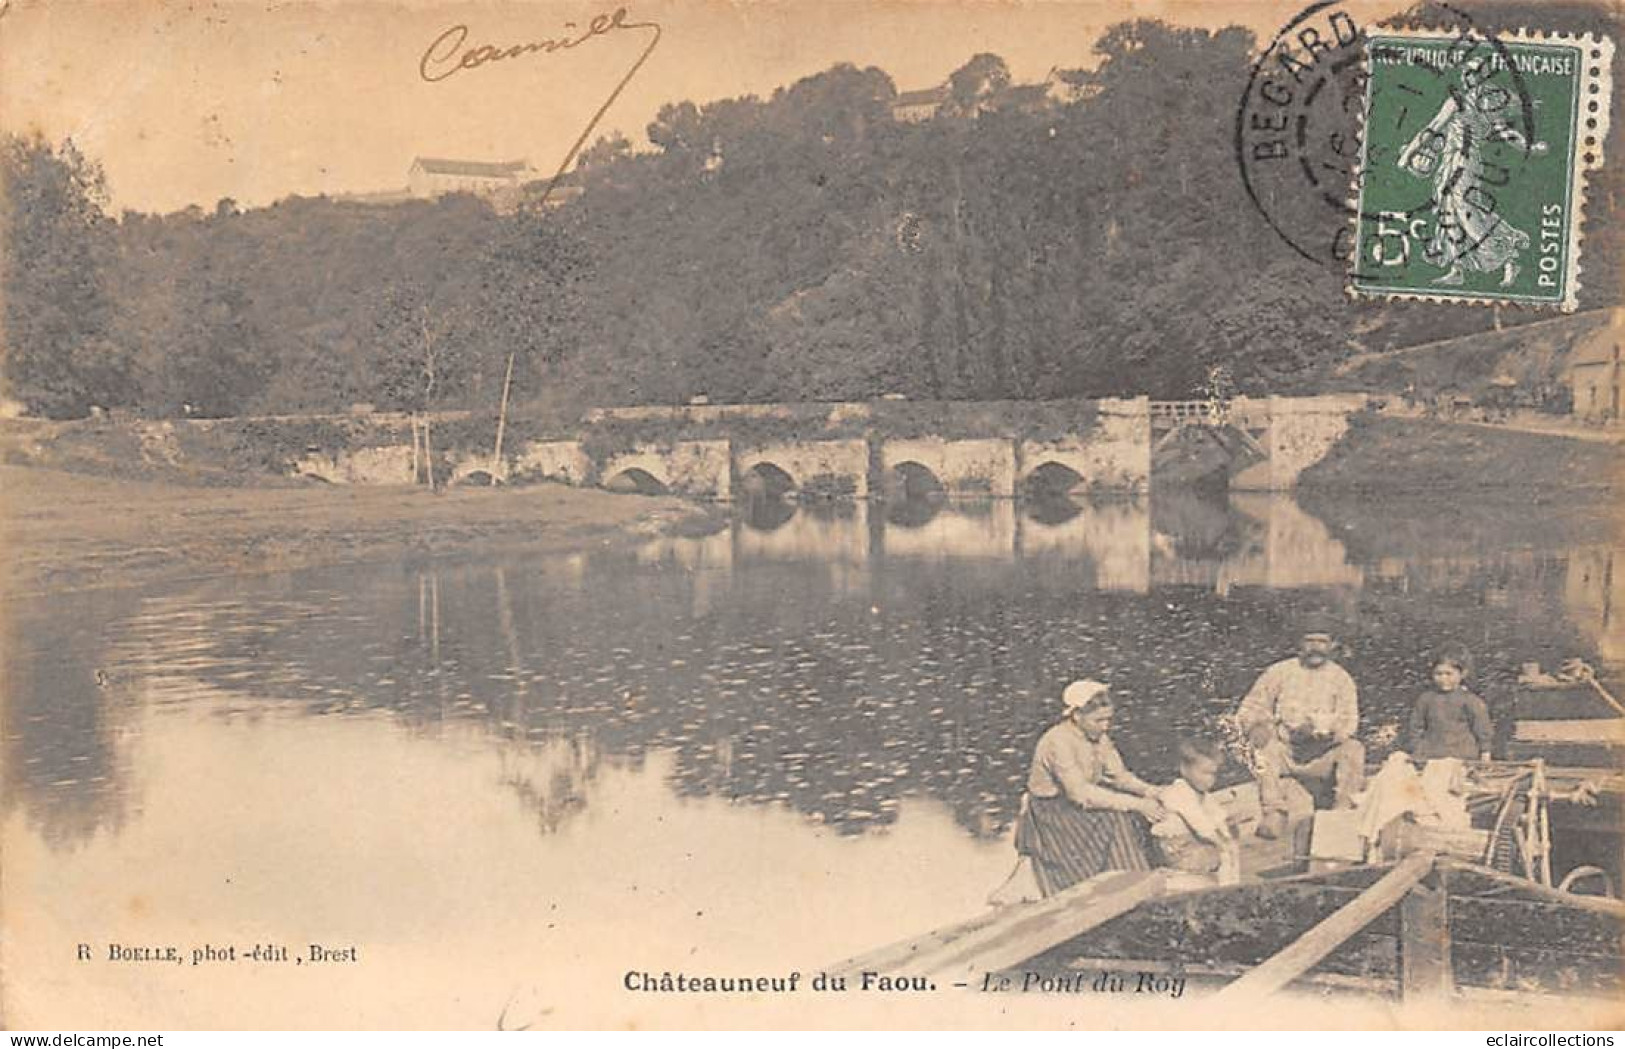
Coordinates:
[1085,237]
[60,358]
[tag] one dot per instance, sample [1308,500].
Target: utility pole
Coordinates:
[502,421]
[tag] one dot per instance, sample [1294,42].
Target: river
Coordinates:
[507,782]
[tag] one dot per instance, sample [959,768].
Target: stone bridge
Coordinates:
[851,450]
[858,450]
[1268,441]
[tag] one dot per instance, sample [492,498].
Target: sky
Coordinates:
[187,103]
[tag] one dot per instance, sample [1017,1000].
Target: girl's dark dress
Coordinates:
[1450,725]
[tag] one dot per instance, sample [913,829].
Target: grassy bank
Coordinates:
[69,531]
[1383,455]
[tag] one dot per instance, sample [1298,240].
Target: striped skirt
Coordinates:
[1068,843]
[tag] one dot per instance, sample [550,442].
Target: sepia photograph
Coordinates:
[790,514]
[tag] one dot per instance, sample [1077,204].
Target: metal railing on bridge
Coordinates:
[1186,411]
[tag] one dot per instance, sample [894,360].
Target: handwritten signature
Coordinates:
[449,55]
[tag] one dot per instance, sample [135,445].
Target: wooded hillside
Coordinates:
[803,246]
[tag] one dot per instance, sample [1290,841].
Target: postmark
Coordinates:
[1300,124]
[1297,132]
[1471,183]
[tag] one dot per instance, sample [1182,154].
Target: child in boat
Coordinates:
[1195,835]
[1449,721]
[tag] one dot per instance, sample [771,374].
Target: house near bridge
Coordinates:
[1595,373]
[1567,364]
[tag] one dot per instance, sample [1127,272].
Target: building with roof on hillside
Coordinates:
[433,177]
[1538,364]
[505,184]
[914,107]
[1595,371]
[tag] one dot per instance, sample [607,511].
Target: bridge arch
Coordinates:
[911,479]
[1051,479]
[478,477]
[767,478]
[636,479]
[313,468]
[474,468]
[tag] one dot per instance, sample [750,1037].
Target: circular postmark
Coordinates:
[1301,141]
[1297,138]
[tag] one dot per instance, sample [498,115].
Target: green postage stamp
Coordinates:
[1472,181]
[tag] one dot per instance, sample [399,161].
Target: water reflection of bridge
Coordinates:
[1260,540]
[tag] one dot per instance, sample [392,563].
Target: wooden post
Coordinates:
[502,421]
[1541,818]
[1424,942]
[417,443]
[1303,953]
[428,451]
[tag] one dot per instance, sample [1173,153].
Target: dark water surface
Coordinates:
[810,728]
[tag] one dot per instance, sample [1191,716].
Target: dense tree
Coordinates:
[60,359]
[210,358]
[976,83]
[1026,242]
[606,150]
[422,349]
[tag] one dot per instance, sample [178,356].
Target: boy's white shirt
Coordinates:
[1188,810]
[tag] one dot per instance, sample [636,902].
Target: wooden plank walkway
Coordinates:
[1276,972]
[1010,935]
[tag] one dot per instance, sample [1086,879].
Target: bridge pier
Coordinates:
[834,466]
[981,466]
[552,461]
[1301,430]
[1115,454]
[697,468]
[391,464]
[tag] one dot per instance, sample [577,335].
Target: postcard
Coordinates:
[696,514]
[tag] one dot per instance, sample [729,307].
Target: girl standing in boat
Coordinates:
[1086,812]
[1450,721]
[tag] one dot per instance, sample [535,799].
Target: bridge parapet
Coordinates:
[992,448]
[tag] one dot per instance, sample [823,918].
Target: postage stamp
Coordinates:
[1471,186]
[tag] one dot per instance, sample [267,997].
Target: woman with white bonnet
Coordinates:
[1086,812]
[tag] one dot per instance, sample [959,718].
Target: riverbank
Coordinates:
[132,519]
[1386,455]
[64,531]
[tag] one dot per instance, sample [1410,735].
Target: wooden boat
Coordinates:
[1429,916]
[1575,723]
[1423,927]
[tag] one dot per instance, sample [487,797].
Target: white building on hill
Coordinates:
[432,177]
